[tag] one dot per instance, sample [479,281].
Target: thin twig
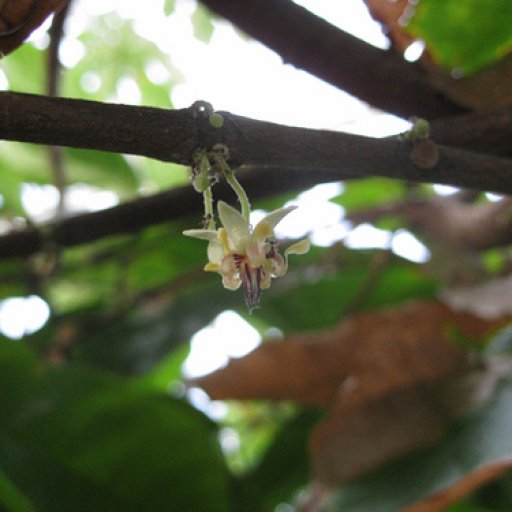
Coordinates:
[53,89]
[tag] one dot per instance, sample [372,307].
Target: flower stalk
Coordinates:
[243,256]
[240,192]
[220,154]
[209,219]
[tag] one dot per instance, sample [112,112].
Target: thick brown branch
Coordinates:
[287,158]
[382,78]
[173,135]
[488,131]
[169,135]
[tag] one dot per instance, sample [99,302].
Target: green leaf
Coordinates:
[167,371]
[25,69]
[495,496]
[202,22]
[59,487]
[320,303]
[25,163]
[155,258]
[468,507]
[285,466]
[11,498]
[135,343]
[369,192]
[74,438]
[114,55]
[165,299]
[21,163]
[155,175]
[169,7]
[101,169]
[467,35]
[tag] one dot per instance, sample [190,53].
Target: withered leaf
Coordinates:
[389,14]
[357,438]
[19,18]
[379,351]
[385,375]
[477,450]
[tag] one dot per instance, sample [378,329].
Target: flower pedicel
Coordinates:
[243,256]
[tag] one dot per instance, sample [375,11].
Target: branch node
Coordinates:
[424,152]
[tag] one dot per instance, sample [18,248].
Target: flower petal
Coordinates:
[215,252]
[301,247]
[235,225]
[228,265]
[202,234]
[279,265]
[231,282]
[276,216]
[265,279]
[262,231]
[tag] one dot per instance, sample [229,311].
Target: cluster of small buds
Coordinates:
[424,152]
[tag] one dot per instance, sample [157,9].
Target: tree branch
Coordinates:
[488,131]
[283,158]
[382,78]
[168,135]
[53,82]
[173,135]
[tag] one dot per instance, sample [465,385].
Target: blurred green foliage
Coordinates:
[466,36]
[88,417]
[77,438]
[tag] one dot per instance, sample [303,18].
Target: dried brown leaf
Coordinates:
[450,221]
[359,437]
[386,375]
[389,13]
[19,18]
[384,350]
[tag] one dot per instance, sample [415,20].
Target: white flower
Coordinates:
[246,256]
